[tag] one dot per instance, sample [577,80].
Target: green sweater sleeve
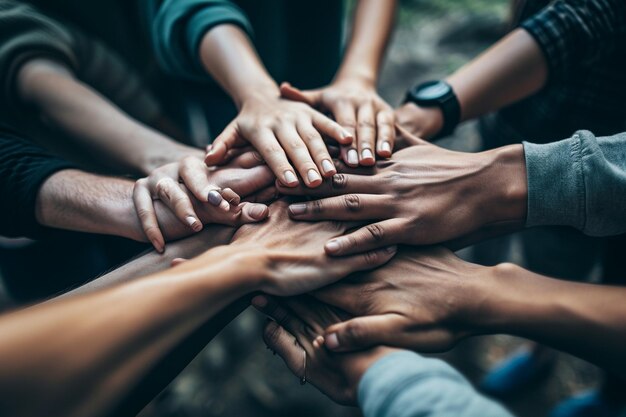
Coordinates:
[177,27]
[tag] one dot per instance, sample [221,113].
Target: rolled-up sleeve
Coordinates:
[573,31]
[578,182]
[23,169]
[178,26]
[405,384]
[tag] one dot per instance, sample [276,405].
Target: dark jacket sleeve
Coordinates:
[25,34]
[578,182]
[177,27]
[571,32]
[23,169]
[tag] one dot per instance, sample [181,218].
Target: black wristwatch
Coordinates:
[438,94]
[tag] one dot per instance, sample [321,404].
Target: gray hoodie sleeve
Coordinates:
[405,384]
[578,182]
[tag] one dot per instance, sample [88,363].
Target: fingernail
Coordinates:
[386,147]
[157,246]
[328,166]
[392,249]
[333,246]
[367,154]
[346,134]
[258,211]
[215,198]
[290,177]
[297,209]
[194,223]
[313,175]
[225,205]
[332,341]
[259,301]
[353,157]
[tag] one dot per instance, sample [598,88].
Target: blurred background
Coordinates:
[236,376]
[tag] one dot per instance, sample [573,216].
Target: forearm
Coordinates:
[95,123]
[372,27]
[583,319]
[228,55]
[512,69]
[103,355]
[84,202]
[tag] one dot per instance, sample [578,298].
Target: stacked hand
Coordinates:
[358,108]
[197,194]
[424,195]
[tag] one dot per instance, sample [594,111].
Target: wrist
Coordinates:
[507,193]
[263,91]
[360,77]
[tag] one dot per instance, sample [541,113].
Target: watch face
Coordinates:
[432,91]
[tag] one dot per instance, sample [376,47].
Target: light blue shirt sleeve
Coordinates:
[578,182]
[405,384]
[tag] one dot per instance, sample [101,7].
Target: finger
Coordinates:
[171,194]
[144,205]
[348,207]
[372,236]
[253,212]
[298,153]
[280,341]
[248,160]
[331,128]
[268,146]
[273,309]
[386,133]
[226,140]
[362,332]
[345,114]
[195,176]
[362,262]
[366,134]
[338,184]
[312,97]
[317,148]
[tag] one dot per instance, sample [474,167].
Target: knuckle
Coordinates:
[366,124]
[376,232]
[352,202]
[371,258]
[353,331]
[271,335]
[144,215]
[316,206]
[339,182]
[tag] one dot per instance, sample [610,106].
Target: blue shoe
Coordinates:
[519,371]
[586,404]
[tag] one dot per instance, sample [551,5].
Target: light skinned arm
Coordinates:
[93,122]
[281,130]
[352,98]
[80,201]
[428,300]
[512,69]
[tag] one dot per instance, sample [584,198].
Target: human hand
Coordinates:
[294,252]
[424,195]
[425,300]
[423,122]
[282,130]
[186,186]
[357,107]
[295,336]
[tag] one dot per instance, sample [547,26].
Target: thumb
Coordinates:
[312,97]
[226,141]
[253,212]
[359,333]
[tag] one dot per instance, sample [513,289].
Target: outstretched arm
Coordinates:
[95,124]
[427,300]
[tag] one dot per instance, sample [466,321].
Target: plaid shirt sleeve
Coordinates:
[573,31]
